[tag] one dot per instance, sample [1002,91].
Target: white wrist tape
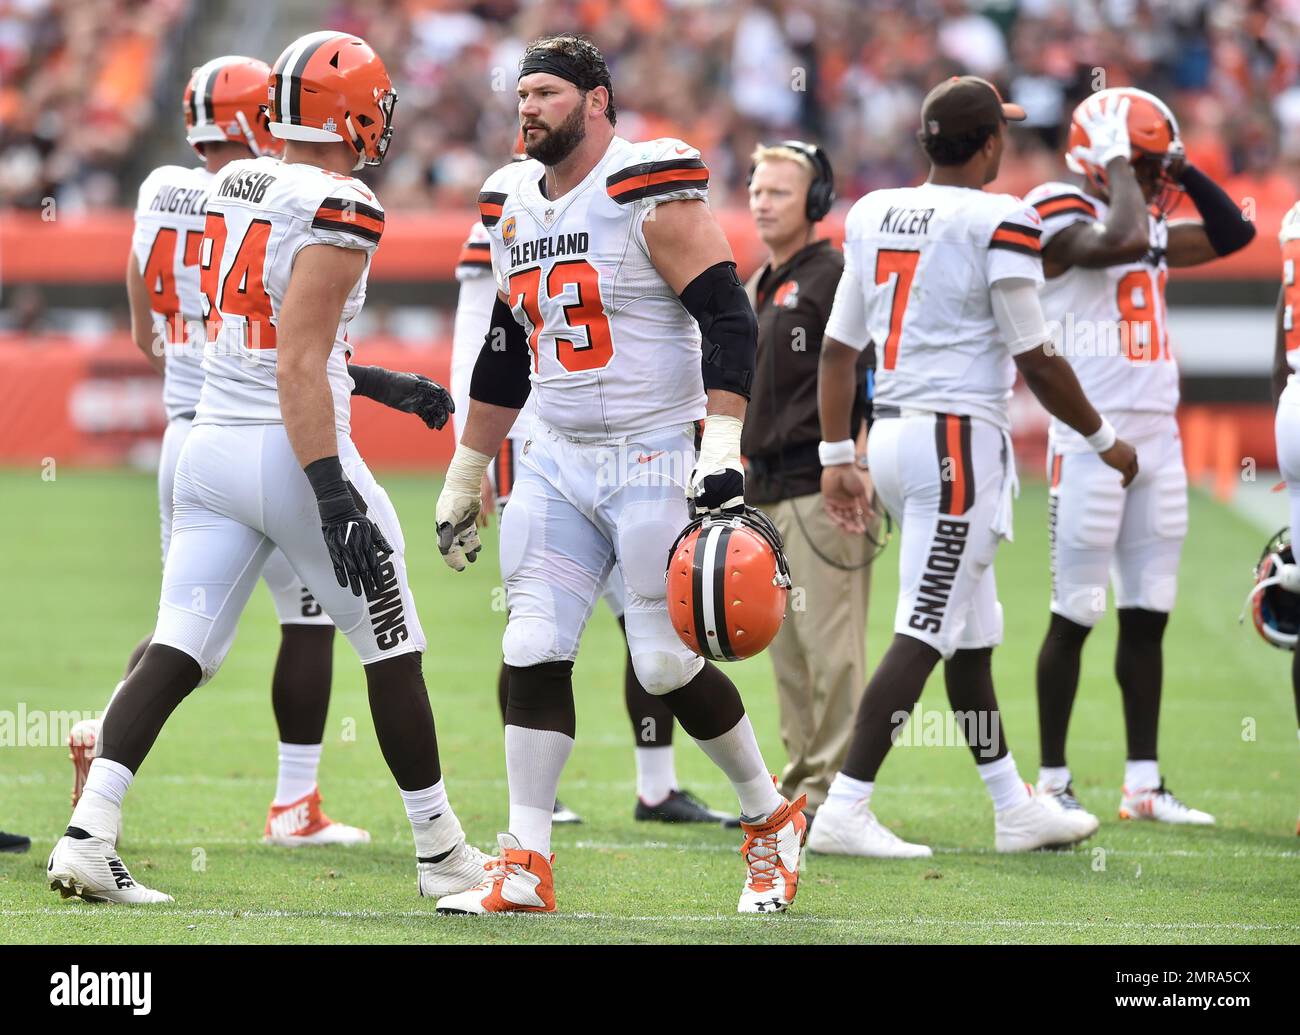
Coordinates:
[720,444]
[832,454]
[465,473]
[1103,438]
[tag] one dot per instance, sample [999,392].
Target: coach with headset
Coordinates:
[820,654]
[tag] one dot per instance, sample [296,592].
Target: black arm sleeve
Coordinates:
[729,328]
[1225,226]
[501,371]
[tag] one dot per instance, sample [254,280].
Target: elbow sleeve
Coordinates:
[501,371]
[728,327]
[1226,227]
[1018,314]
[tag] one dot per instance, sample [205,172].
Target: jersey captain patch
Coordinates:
[650,179]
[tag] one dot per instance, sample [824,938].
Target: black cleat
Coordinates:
[14,842]
[680,807]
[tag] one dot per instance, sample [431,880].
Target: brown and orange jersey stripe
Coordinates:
[476,254]
[1065,204]
[651,179]
[490,204]
[351,217]
[1016,237]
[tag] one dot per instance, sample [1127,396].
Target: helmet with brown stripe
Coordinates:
[728,581]
[1274,600]
[1154,140]
[223,103]
[331,86]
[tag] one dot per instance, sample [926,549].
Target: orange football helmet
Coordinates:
[1153,137]
[223,102]
[728,581]
[331,86]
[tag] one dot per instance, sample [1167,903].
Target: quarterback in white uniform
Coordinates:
[1107,249]
[269,462]
[658,796]
[609,268]
[943,279]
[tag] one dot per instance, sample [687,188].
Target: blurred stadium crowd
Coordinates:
[78,82]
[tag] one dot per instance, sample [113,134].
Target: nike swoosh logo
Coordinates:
[645,458]
[681,150]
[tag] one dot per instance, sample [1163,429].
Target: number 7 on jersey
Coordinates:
[901,265]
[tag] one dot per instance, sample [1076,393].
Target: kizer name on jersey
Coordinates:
[614,352]
[261,213]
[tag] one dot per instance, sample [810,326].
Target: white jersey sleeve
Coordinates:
[1060,205]
[478,293]
[1014,251]
[847,322]
[658,171]
[1289,236]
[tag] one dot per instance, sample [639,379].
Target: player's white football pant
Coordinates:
[772,852]
[854,830]
[1161,806]
[89,867]
[1039,823]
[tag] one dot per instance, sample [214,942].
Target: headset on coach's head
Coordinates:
[821,192]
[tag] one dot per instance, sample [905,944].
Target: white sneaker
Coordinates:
[1040,823]
[1065,799]
[88,867]
[457,868]
[854,830]
[303,823]
[772,851]
[1159,804]
[516,881]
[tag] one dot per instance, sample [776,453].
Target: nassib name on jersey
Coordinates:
[548,247]
[183,200]
[906,220]
[246,186]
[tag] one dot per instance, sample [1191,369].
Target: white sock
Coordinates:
[1141,775]
[297,775]
[736,753]
[534,761]
[656,773]
[844,790]
[100,808]
[1055,776]
[1004,784]
[424,806]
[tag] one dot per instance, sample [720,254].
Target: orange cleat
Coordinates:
[517,881]
[772,851]
[303,823]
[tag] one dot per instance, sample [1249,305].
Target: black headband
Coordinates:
[555,63]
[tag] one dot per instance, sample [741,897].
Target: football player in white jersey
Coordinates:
[610,268]
[943,278]
[222,123]
[283,262]
[1286,396]
[1107,248]
[658,796]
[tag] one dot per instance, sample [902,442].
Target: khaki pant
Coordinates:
[820,653]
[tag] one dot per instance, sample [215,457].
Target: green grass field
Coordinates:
[80,588]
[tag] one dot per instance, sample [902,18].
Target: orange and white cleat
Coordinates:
[303,823]
[772,851]
[83,748]
[1160,804]
[516,881]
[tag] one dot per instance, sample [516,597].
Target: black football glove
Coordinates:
[356,546]
[410,393]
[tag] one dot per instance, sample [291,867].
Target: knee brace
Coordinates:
[530,640]
[661,671]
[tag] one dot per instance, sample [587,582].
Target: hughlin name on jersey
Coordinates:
[548,247]
[906,220]
[246,185]
[186,201]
